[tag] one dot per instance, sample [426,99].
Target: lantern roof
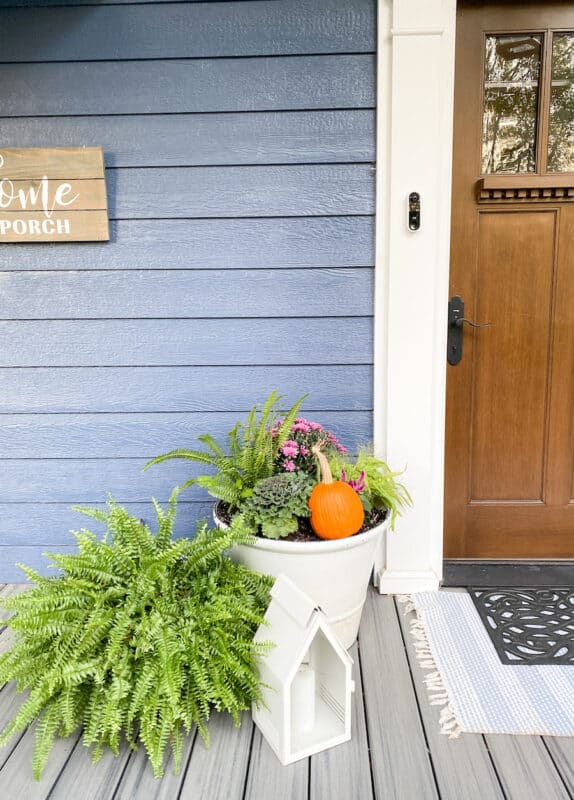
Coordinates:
[292,621]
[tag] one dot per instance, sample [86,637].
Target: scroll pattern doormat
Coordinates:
[528,626]
[465,678]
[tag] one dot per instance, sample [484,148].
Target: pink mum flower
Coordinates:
[301,425]
[290,448]
[289,465]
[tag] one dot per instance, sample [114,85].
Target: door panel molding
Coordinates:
[513,291]
[525,188]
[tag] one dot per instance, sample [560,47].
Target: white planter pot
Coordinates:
[335,573]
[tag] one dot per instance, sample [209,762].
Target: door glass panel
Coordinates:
[511,79]
[561,123]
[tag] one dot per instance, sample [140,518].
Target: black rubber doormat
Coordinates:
[528,626]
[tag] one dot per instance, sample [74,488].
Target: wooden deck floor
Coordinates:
[396,752]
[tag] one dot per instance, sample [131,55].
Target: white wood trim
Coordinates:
[382,213]
[416,32]
[407,582]
[414,153]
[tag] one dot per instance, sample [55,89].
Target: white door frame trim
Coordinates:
[415,87]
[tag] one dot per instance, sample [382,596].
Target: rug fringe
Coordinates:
[404,599]
[436,690]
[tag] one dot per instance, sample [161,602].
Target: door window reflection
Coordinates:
[511,85]
[561,122]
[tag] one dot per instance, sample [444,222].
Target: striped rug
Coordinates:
[476,693]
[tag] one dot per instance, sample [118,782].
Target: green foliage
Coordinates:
[382,489]
[276,503]
[141,636]
[249,456]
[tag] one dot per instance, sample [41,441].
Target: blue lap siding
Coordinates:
[239,145]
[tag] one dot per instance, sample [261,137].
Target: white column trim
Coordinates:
[415,87]
[407,582]
[416,32]
[382,213]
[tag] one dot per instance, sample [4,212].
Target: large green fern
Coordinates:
[250,455]
[140,636]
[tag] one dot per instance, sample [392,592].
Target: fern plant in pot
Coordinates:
[317,514]
[139,638]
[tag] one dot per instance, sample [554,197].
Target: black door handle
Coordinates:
[456,321]
[459,322]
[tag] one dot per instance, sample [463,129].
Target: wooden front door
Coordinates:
[509,453]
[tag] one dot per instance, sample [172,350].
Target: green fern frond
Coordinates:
[250,455]
[46,730]
[191,455]
[208,440]
[221,487]
[96,513]
[284,432]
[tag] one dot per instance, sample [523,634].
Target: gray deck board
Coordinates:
[400,759]
[267,778]
[525,769]
[396,752]
[16,779]
[83,779]
[561,749]
[344,771]
[220,770]
[10,702]
[463,767]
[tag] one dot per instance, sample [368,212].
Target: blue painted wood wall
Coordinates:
[239,145]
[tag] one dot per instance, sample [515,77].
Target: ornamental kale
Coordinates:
[276,504]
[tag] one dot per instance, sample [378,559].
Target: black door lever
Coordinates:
[456,321]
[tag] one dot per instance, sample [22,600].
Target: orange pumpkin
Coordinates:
[336,508]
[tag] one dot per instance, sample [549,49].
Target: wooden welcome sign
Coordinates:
[53,195]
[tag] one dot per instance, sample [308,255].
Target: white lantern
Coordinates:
[306,677]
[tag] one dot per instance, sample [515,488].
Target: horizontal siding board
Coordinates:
[209,244]
[89,480]
[45,3]
[48,525]
[282,191]
[157,140]
[145,389]
[208,85]
[136,435]
[186,293]
[206,342]
[31,556]
[182,30]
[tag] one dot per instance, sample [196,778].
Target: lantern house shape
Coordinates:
[306,677]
